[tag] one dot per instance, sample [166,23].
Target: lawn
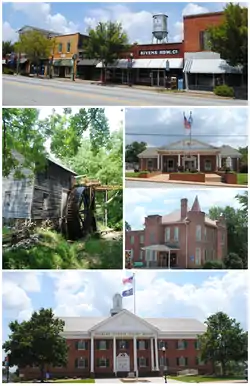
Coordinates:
[132,174]
[200,378]
[242,178]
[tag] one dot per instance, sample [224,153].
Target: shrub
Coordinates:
[224,91]
[213,264]
[233,261]
[8,71]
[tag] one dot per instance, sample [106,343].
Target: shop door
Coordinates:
[62,72]
[158,78]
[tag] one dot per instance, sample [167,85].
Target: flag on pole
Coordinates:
[128,292]
[187,123]
[128,280]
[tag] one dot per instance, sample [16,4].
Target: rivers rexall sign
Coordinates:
[159,52]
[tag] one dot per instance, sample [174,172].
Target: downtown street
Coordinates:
[25,91]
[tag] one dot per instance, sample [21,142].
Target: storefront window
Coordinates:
[204,41]
[60,48]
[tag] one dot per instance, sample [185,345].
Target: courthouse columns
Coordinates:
[152,354]
[114,354]
[135,356]
[156,355]
[92,355]
[198,159]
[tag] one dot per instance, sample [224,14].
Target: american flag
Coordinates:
[188,122]
[127,280]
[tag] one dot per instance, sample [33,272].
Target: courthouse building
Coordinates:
[124,343]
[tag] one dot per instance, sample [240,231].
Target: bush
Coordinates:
[8,71]
[213,264]
[233,261]
[224,91]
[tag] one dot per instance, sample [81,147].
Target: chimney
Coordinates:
[184,208]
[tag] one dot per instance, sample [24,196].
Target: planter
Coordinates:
[149,175]
[193,177]
[228,178]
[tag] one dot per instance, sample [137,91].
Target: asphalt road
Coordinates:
[22,91]
[159,185]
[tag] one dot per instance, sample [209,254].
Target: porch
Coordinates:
[161,256]
[169,163]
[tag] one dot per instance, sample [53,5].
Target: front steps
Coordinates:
[212,178]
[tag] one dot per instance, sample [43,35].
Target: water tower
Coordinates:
[160,28]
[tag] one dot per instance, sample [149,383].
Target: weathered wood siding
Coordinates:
[48,188]
[17,195]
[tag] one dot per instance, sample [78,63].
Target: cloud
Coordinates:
[193,9]
[140,203]
[215,126]
[158,294]
[9,34]
[40,15]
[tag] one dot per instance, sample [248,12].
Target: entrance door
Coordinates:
[173,259]
[123,363]
[190,165]
[158,78]
[170,165]
[62,72]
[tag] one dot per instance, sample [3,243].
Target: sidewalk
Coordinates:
[207,94]
[215,184]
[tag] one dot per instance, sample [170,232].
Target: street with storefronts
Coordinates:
[25,91]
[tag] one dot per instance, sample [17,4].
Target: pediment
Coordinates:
[193,144]
[124,323]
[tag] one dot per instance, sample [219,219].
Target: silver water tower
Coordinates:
[160,28]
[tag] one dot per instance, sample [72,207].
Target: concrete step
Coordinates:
[213,178]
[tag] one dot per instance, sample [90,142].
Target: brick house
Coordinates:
[124,342]
[185,238]
[192,154]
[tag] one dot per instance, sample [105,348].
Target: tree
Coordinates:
[37,341]
[213,264]
[237,227]
[244,159]
[36,47]
[127,226]
[7,48]
[25,135]
[132,151]
[106,43]
[230,38]
[223,341]
[233,261]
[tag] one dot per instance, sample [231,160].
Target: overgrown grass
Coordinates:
[54,252]
[242,178]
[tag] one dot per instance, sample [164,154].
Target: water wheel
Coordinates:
[79,213]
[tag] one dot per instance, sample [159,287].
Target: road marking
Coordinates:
[93,96]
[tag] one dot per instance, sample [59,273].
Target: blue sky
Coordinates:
[140,203]
[215,126]
[158,294]
[136,18]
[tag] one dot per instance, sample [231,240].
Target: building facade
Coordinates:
[185,238]
[189,155]
[125,343]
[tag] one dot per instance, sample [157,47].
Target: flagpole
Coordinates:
[134,290]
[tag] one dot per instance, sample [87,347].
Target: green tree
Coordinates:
[106,43]
[237,227]
[67,130]
[37,341]
[127,226]
[230,38]
[36,46]
[132,151]
[213,265]
[223,341]
[25,135]
[7,48]
[233,261]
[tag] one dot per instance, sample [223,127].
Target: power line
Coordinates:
[183,135]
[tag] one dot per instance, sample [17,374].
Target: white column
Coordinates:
[135,356]
[179,160]
[161,162]
[219,160]
[217,164]
[198,158]
[152,354]
[114,354]
[158,162]
[156,355]
[92,355]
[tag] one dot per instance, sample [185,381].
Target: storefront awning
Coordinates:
[62,63]
[174,63]
[87,62]
[209,66]
[23,60]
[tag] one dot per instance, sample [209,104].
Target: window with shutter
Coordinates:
[76,363]
[142,362]
[86,345]
[185,344]
[146,345]
[186,361]
[81,345]
[76,345]
[107,362]
[177,362]
[102,345]
[141,344]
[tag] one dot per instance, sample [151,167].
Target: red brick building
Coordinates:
[185,238]
[189,154]
[125,343]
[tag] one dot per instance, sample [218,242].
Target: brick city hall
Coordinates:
[125,343]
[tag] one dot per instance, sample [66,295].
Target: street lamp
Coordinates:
[130,64]
[186,222]
[7,366]
[74,57]
[165,363]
